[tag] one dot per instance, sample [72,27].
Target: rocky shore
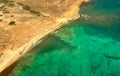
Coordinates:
[30,35]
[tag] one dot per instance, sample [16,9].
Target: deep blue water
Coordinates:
[89,46]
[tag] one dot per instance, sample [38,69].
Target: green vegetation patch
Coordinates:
[4,1]
[12,23]
[35,12]
[28,8]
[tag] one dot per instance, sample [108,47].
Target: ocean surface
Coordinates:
[89,46]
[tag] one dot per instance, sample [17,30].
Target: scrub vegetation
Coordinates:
[28,8]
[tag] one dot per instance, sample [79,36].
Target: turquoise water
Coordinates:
[89,46]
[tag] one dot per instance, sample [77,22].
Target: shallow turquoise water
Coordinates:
[84,47]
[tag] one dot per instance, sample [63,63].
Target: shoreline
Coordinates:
[12,56]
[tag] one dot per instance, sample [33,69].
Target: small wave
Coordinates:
[86,16]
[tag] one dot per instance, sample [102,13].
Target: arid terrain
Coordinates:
[24,22]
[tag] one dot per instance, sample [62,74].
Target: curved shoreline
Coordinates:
[11,56]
